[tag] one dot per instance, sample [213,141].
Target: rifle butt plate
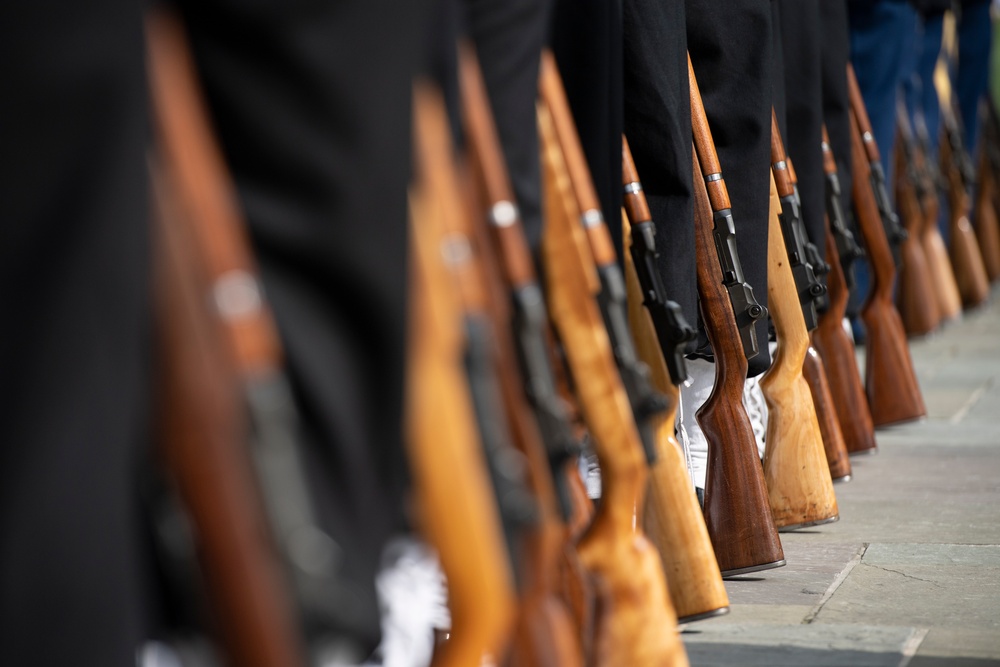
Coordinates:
[808,524]
[726,574]
[702,616]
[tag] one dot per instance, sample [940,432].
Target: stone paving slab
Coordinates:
[798,645]
[813,566]
[910,575]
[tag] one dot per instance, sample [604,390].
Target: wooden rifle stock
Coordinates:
[195,179]
[890,381]
[637,623]
[799,486]
[808,288]
[812,367]
[544,633]
[894,234]
[669,323]
[646,403]
[456,510]
[847,246]
[949,299]
[986,223]
[915,295]
[672,517]
[966,257]
[834,345]
[990,165]
[743,304]
[737,513]
[203,434]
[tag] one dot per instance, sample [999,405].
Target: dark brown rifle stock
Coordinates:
[894,234]
[243,481]
[986,223]
[456,509]
[834,345]
[672,518]
[636,623]
[915,295]
[544,633]
[890,381]
[203,433]
[799,486]
[990,165]
[966,257]
[737,513]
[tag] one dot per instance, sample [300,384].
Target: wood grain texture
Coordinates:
[985,223]
[799,486]
[966,258]
[949,299]
[637,624]
[814,371]
[737,512]
[837,351]
[202,435]
[890,381]
[672,518]
[545,633]
[915,295]
[456,510]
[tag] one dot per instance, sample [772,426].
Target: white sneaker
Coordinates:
[692,438]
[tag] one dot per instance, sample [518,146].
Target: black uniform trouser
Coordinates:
[800,110]
[311,104]
[658,128]
[732,52]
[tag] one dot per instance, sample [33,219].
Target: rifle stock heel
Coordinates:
[808,524]
[694,618]
[728,574]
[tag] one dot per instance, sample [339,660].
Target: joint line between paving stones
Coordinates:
[911,645]
[973,399]
[851,564]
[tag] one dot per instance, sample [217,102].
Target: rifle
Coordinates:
[451,482]
[812,367]
[915,296]
[270,568]
[991,161]
[890,381]
[815,260]
[737,513]
[966,258]
[672,330]
[544,632]
[833,343]
[745,307]
[943,277]
[672,517]
[985,222]
[807,286]
[847,246]
[799,486]
[637,624]
[202,441]
[646,403]
[894,233]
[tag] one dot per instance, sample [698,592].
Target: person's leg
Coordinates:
[311,103]
[74,362]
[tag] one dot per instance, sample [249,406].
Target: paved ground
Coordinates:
[910,575]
